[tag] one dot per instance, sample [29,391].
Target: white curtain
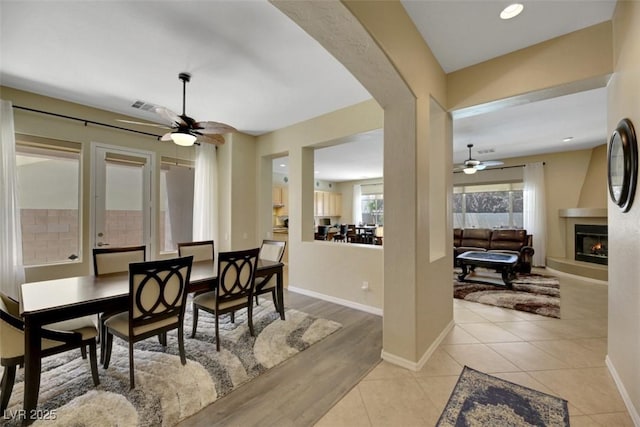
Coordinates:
[11,268]
[534,215]
[205,194]
[357,204]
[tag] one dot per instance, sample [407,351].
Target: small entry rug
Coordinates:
[479,399]
[166,391]
[533,293]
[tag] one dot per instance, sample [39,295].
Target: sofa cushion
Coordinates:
[512,240]
[457,237]
[476,238]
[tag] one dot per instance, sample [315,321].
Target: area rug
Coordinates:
[166,391]
[479,399]
[533,293]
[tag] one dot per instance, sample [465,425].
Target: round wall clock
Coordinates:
[622,165]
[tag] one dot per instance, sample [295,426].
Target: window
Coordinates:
[372,202]
[176,203]
[49,199]
[488,206]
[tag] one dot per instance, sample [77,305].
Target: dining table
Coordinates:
[50,301]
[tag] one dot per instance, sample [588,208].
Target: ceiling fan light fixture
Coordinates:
[469,170]
[511,11]
[183,139]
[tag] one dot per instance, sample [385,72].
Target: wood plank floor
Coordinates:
[301,390]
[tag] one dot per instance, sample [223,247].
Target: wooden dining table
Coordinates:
[55,300]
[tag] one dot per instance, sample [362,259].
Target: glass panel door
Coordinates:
[122,197]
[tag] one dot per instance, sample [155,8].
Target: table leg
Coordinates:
[465,271]
[508,275]
[32,367]
[280,292]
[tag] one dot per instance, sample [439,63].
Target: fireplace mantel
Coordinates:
[583,213]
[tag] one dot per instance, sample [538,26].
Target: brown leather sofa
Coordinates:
[516,242]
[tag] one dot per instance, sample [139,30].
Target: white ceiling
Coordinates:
[256,70]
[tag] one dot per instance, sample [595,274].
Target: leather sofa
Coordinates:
[516,242]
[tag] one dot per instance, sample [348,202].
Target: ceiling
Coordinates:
[256,70]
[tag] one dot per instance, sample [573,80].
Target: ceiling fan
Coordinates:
[471,166]
[186,131]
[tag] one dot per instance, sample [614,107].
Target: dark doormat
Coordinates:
[479,399]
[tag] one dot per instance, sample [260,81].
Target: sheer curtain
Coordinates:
[534,207]
[357,204]
[11,268]
[205,194]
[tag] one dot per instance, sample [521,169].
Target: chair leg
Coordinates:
[132,381]
[275,299]
[233,317]
[217,334]
[107,352]
[195,321]
[183,356]
[93,361]
[83,351]
[250,319]
[8,378]
[257,302]
[162,339]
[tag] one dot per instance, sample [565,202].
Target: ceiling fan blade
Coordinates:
[166,136]
[491,163]
[173,118]
[215,139]
[133,122]
[213,128]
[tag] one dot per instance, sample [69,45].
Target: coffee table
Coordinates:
[502,263]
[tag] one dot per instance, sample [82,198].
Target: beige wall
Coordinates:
[624,232]
[580,60]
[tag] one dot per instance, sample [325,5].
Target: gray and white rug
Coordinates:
[167,392]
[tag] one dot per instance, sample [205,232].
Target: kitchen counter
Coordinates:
[280,230]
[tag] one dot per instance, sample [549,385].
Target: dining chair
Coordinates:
[201,250]
[271,250]
[233,289]
[114,260]
[157,296]
[56,338]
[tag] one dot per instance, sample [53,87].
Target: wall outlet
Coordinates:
[365,286]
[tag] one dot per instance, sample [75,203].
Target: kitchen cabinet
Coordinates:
[280,196]
[328,203]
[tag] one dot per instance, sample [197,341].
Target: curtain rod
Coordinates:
[86,122]
[503,167]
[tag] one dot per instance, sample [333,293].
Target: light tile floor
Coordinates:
[564,357]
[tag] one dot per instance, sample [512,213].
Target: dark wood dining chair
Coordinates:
[157,297]
[114,260]
[201,250]
[56,338]
[271,250]
[233,289]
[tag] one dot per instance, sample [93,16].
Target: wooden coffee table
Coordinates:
[502,263]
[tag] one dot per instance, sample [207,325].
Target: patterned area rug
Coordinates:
[479,399]
[533,293]
[167,392]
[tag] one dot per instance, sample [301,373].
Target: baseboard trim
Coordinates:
[416,366]
[633,413]
[340,301]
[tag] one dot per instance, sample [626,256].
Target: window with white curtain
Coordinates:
[49,199]
[176,203]
[372,204]
[488,206]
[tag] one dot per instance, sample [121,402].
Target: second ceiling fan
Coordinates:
[471,165]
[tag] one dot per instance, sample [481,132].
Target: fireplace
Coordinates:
[591,243]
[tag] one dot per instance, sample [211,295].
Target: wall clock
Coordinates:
[622,165]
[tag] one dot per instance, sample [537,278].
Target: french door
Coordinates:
[122,208]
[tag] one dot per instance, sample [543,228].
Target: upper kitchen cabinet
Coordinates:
[280,196]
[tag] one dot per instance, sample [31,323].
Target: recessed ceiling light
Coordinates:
[567,139]
[511,11]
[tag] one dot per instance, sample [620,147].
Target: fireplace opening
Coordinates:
[592,243]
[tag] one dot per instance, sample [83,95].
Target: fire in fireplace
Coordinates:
[591,243]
